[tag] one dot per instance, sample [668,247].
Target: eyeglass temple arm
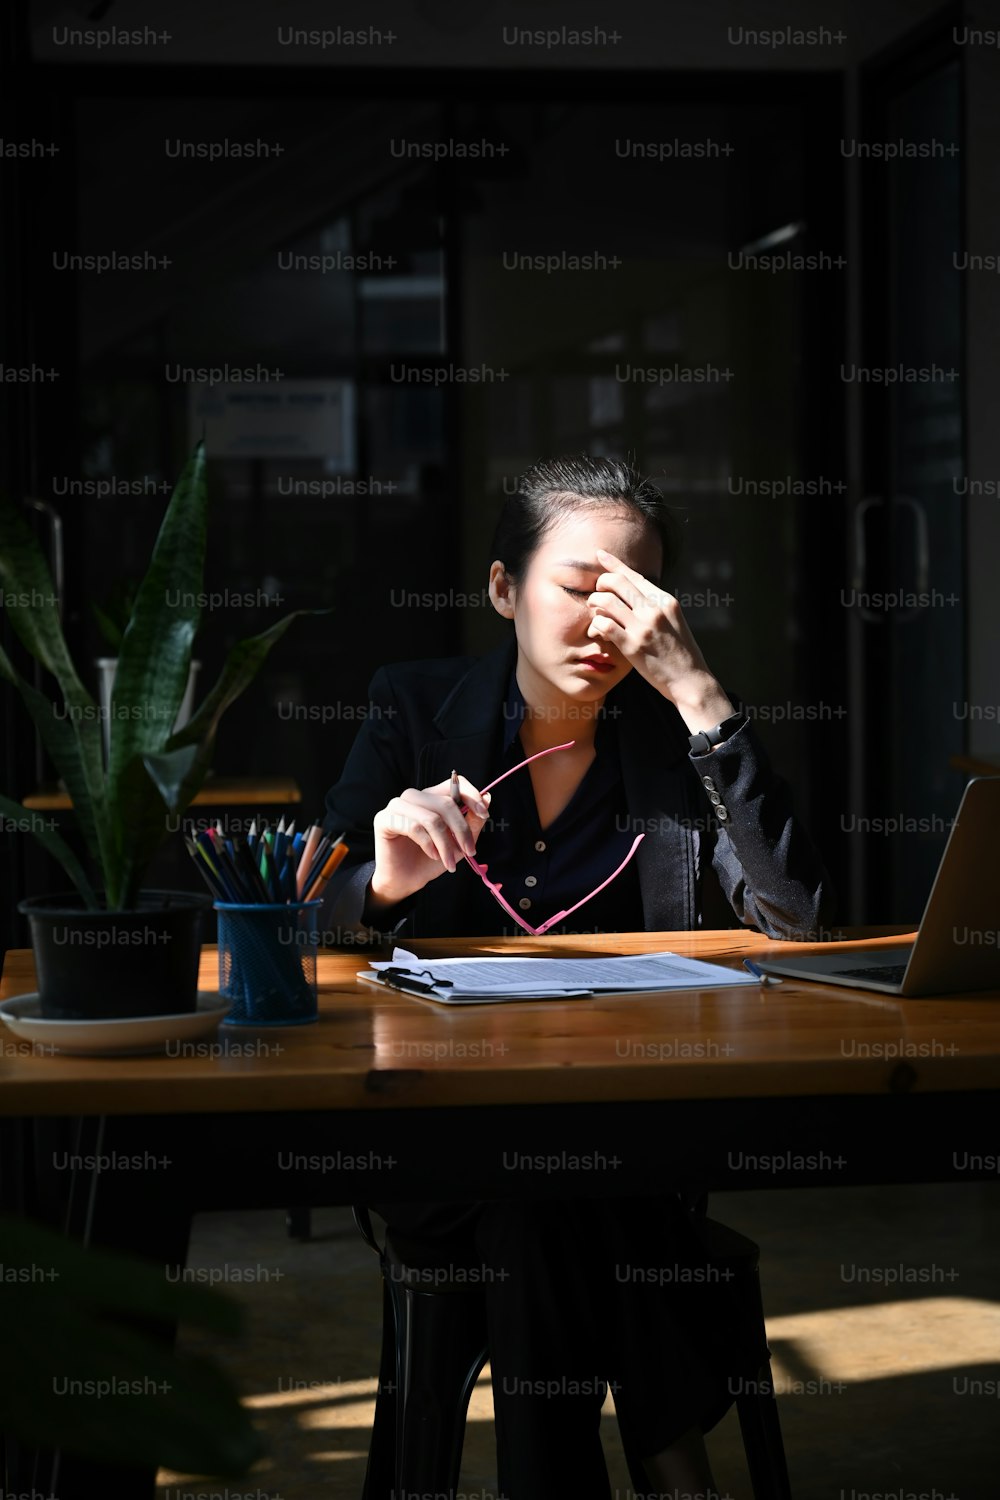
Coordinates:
[494,886]
[524,762]
[560,914]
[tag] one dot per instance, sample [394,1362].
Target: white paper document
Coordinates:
[486,979]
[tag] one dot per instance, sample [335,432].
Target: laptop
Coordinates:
[957,946]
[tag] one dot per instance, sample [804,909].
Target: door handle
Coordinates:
[923,557]
[859,576]
[859,580]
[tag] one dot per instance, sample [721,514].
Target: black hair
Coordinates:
[556,486]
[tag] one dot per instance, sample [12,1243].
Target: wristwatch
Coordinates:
[707,739]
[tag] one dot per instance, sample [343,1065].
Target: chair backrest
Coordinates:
[362,1219]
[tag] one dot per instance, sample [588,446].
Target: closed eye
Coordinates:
[579,593]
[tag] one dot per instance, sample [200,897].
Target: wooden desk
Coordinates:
[220,791]
[376,1051]
[396,1097]
[389,1098]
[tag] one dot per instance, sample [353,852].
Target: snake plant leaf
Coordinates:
[31,605]
[138,837]
[55,844]
[137,1401]
[152,672]
[63,745]
[169,771]
[179,774]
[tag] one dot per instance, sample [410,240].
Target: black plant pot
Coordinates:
[99,965]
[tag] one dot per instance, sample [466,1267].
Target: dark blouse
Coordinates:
[544,871]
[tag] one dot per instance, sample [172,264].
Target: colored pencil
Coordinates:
[324,849]
[336,855]
[306,857]
[267,866]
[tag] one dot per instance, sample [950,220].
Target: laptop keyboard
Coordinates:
[888,973]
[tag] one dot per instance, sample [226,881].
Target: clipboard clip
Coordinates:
[395,977]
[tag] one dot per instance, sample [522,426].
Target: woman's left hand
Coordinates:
[648,627]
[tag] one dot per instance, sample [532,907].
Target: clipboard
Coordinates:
[437,989]
[469,981]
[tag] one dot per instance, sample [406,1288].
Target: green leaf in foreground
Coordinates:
[75,1377]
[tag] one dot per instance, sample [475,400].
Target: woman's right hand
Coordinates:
[419,835]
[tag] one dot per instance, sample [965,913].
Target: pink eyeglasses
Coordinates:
[494,886]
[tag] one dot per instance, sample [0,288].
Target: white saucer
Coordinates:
[126,1034]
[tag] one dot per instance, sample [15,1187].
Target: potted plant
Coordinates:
[112,617]
[112,948]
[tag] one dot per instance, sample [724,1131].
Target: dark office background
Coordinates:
[857,704]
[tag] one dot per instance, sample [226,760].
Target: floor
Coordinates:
[883,1313]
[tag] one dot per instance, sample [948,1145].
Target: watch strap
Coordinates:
[707,739]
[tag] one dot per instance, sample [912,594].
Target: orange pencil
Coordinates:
[318,886]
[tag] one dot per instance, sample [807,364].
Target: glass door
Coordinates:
[685,307]
[905,604]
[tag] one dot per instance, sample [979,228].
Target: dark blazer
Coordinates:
[721,836]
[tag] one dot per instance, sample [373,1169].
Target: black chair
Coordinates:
[434,1346]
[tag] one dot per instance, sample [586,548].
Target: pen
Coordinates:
[758,973]
[456,794]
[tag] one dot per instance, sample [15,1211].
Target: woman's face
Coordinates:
[549,609]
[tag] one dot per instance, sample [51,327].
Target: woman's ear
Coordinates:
[501,590]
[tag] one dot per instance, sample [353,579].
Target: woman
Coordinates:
[603,657]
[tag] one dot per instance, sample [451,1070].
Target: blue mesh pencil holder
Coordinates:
[267,962]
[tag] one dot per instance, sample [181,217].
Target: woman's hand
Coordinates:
[419,835]
[649,629]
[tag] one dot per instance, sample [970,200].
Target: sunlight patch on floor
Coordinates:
[887,1338]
